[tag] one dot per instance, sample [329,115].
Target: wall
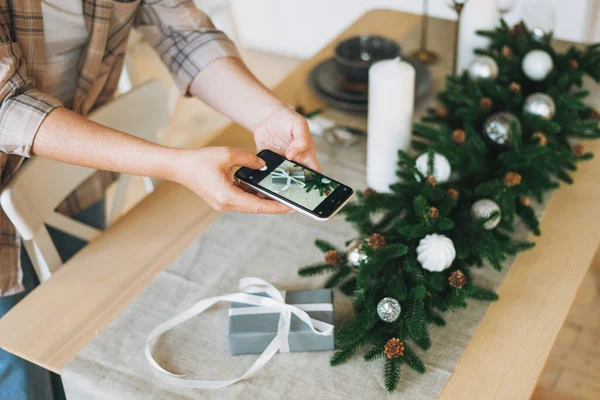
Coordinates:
[299,28]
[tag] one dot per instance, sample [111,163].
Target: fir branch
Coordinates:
[374,353]
[324,246]
[316,269]
[412,360]
[392,374]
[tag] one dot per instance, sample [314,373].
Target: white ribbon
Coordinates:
[282,173]
[274,303]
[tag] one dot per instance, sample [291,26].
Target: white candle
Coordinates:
[391,100]
[477,15]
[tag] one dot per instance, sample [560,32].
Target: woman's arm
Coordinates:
[229,87]
[68,137]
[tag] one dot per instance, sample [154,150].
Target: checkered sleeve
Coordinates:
[22,107]
[183,36]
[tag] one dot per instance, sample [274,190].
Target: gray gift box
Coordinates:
[282,180]
[252,333]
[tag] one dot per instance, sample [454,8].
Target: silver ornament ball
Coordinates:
[540,104]
[537,65]
[355,254]
[483,67]
[388,309]
[498,127]
[482,209]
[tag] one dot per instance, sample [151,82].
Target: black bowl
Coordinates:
[354,56]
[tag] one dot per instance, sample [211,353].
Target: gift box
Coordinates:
[250,332]
[278,178]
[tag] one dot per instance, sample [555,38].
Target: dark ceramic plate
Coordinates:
[334,89]
[354,56]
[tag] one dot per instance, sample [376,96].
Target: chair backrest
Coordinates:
[32,195]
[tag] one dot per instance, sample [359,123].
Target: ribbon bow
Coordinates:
[282,173]
[274,303]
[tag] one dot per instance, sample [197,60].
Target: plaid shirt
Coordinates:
[184,38]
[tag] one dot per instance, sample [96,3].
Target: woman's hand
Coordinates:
[286,132]
[209,173]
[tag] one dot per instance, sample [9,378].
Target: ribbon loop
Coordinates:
[274,303]
[282,173]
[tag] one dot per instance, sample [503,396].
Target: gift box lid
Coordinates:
[267,323]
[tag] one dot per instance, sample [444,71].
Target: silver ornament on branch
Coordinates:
[540,104]
[388,309]
[498,127]
[325,181]
[436,252]
[441,167]
[537,65]
[482,209]
[355,254]
[483,67]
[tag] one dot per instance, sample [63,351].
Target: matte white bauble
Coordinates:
[537,65]
[441,167]
[482,209]
[435,252]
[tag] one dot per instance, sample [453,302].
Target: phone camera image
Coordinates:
[299,184]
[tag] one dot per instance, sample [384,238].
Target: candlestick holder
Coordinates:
[458,6]
[423,54]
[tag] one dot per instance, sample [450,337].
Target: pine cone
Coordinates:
[542,139]
[458,136]
[441,111]
[512,179]
[506,51]
[485,104]
[431,180]
[526,201]
[516,30]
[394,348]
[368,192]
[377,241]
[573,64]
[515,87]
[434,213]
[594,115]
[453,193]
[578,150]
[457,279]
[332,257]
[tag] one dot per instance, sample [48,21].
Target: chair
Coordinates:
[32,195]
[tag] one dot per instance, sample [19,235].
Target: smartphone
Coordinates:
[296,186]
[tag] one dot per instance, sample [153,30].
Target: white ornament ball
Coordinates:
[436,252]
[540,104]
[355,254]
[482,209]
[388,309]
[483,67]
[441,167]
[537,65]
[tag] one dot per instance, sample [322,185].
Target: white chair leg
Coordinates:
[43,254]
[174,95]
[124,84]
[119,199]
[148,184]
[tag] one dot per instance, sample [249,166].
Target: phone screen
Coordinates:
[299,184]
[307,189]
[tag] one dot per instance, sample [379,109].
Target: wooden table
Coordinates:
[504,359]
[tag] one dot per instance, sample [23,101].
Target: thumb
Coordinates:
[245,158]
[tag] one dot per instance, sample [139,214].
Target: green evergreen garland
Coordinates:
[417,206]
